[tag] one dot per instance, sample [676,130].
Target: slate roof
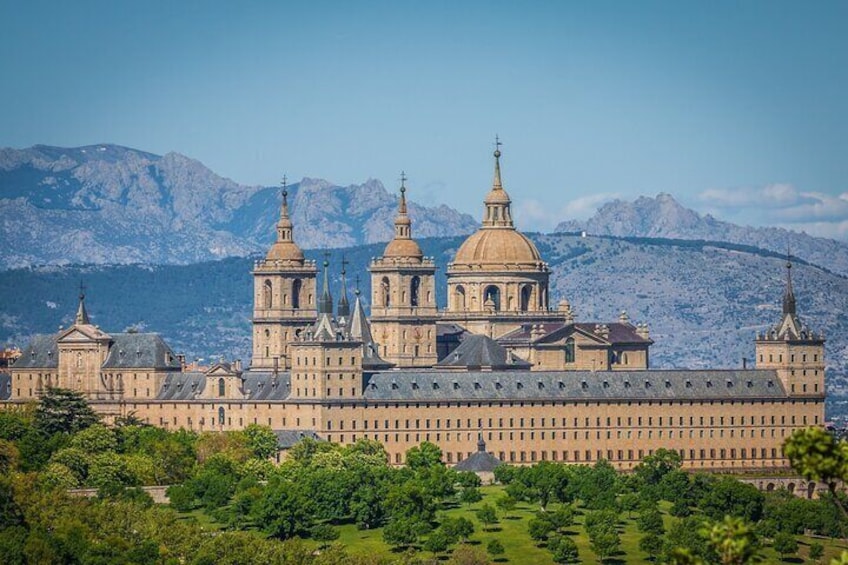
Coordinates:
[182,386]
[258,387]
[5,386]
[479,351]
[480,461]
[434,385]
[286,439]
[619,333]
[261,386]
[126,351]
[41,352]
[137,350]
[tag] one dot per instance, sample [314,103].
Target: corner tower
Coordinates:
[791,348]
[283,296]
[498,279]
[403,308]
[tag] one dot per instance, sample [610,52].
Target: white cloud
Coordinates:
[784,205]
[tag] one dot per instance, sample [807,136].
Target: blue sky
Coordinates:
[737,108]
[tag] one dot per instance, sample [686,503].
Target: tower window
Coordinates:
[414,291]
[493,294]
[222,387]
[267,294]
[459,298]
[297,285]
[385,289]
[524,305]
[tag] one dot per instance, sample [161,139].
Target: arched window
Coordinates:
[267,296]
[296,287]
[414,291]
[459,298]
[221,415]
[492,293]
[222,387]
[524,305]
[386,290]
[569,350]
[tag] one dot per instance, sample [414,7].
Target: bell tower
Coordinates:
[791,348]
[283,296]
[403,305]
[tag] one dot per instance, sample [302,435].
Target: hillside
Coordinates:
[664,217]
[106,204]
[704,302]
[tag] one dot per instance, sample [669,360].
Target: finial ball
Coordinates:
[326,263]
[497,153]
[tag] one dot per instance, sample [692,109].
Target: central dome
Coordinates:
[498,247]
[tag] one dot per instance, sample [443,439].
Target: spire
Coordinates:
[325,303]
[403,246]
[789,294]
[284,226]
[481,444]
[496,183]
[285,248]
[497,211]
[82,315]
[344,305]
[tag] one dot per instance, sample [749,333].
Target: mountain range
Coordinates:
[107,204]
[664,217]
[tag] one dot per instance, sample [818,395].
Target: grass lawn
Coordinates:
[511,531]
[519,548]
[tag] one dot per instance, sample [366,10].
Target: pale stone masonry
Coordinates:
[499,367]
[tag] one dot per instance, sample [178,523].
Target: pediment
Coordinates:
[580,336]
[221,370]
[81,334]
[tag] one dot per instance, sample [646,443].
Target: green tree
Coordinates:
[470,495]
[400,532]
[495,548]
[436,542]
[563,550]
[487,515]
[733,540]
[629,502]
[562,517]
[727,496]
[457,529]
[283,510]
[10,456]
[650,521]
[652,544]
[95,439]
[56,475]
[109,471]
[816,551]
[605,544]
[539,529]
[785,544]
[181,498]
[506,502]
[63,411]
[423,456]
[324,534]
[261,441]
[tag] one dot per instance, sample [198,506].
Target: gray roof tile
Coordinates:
[434,385]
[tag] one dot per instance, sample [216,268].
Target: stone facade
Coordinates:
[498,365]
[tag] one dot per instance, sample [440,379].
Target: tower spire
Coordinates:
[497,212]
[496,183]
[344,306]
[789,293]
[325,303]
[82,316]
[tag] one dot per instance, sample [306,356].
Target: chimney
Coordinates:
[276,365]
[181,357]
[237,365]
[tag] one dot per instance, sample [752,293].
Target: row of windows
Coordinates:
[599,422]
[791,358]
[328,361]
